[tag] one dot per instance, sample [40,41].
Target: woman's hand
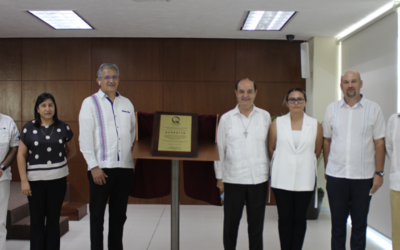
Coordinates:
[26,188]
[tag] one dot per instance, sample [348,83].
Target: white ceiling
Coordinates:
[184,18]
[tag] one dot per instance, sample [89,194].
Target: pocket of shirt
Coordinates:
[125,118]
[4,135]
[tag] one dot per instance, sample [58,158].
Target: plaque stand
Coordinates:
[207,151]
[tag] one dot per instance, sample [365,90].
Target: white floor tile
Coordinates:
[148,228]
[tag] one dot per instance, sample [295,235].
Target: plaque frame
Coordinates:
[156,136]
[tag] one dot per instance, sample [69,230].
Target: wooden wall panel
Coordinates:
[146,96]
[69,96]
[78,158]
[10,59]
[10,99]
[270,96]
[199,60]
[137,59]
[268,61]
[188,75]
[56,59]
[200,97]
[79,183]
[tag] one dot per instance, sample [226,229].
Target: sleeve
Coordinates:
[221,143]
[379,126]
[133,125]
[269,122]
[86,136]
[14,142]
[388,136]
[70,134]
[24,134]
[326,124]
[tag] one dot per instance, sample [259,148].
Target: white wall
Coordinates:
[373,52]
[322,86]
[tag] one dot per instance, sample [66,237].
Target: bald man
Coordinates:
[354,153]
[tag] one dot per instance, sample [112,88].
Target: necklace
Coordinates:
[47,136]
[245,128]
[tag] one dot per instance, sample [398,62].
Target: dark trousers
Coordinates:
[116,189]
[255,197]
[45,208]
[292,211]
[348,196]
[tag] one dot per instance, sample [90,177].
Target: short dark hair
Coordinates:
[296,89]
[41,98]
[254,83]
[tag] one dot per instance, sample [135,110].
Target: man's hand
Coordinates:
[99,177]
[378,181]
[1,173]
[220,185]
[26,188]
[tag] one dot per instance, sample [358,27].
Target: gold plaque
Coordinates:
[175,133]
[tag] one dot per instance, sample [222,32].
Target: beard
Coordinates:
[351,95]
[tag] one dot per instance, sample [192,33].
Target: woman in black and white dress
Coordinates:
[45,146]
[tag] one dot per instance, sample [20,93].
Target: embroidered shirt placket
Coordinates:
[348,139]
[115,123]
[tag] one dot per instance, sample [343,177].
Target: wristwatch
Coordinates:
[2,167]
[380,173]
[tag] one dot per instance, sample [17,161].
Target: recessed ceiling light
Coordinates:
[267,20]
[62,19]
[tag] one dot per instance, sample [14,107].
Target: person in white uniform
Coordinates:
[9,140]
[242,171]
[295,142]
[393,152]
[354,154]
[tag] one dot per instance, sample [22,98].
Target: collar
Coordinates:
[101,94]
[237,111]
[360,102]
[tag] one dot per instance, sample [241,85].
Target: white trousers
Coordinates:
[4,195]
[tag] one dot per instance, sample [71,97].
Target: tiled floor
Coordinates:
[148,227]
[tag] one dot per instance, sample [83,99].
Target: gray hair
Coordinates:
[254,83]
[107,66]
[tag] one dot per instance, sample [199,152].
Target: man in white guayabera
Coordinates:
[354,152]
[242,171]
[106,135]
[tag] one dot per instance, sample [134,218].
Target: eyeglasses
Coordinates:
[293,100]
[114,77]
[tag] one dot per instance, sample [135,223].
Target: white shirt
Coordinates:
[107,131]
[9,137]
[296,137]
[353,131]
[243,160]
[393,150]
[294,168]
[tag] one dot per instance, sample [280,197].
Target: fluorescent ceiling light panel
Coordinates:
[266,20]
[384,9]
[62,19]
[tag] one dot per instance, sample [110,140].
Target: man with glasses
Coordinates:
[107,133]
[242,169]
[354,152]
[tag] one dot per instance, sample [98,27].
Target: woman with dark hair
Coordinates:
[45,146]
[294,144]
